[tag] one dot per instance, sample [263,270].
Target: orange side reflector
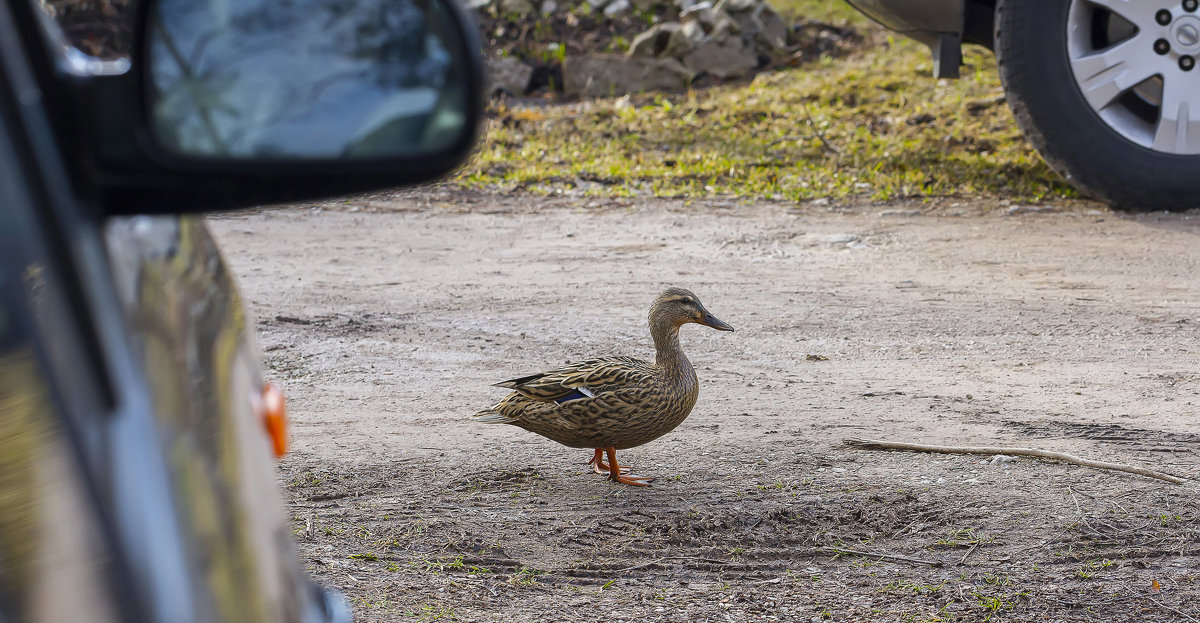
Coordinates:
[274,414]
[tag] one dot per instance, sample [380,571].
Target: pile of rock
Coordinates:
[688,40]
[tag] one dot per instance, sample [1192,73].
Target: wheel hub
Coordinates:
[1136,65]
[1185,34]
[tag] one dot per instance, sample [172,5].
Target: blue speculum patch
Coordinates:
[580,392]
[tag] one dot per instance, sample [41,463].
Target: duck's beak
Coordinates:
[710,320]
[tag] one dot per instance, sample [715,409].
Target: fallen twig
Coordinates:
[879,555]
[967,555]
[1166,607]
[871,444]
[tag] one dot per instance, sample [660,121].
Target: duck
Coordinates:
[615,402]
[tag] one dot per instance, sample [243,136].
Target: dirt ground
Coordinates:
[1062,327]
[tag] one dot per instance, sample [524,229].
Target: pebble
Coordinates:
[617,7]
[841,238]
[1001,459]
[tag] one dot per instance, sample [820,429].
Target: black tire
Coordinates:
[1031,48]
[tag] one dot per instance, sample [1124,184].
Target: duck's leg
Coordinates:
[615,471]
[599,466]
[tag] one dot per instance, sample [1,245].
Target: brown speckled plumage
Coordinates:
[615,402]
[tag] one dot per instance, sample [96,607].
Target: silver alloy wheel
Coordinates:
[1135,61]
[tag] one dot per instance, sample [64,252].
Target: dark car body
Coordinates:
[137,436]
[136,479]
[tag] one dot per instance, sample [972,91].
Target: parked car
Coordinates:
[1108,91]
[136,431]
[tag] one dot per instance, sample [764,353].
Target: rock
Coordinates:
[700,11]
[737,6]
[478,5]
[723,59]
[772,30]
[610,74]
[723,26]
[662,40]
[516,7]
[508,73]
[549,7]
[899,213]
[694,32]
[617,7]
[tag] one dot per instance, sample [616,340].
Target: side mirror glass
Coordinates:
[307,79]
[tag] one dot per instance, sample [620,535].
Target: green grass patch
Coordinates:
[875,126]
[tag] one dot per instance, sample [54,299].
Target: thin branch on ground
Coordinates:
[871,444]
[967,555]
[1166,607]
[819,134]
[879,555]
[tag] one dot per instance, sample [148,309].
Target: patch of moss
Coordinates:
[873,125]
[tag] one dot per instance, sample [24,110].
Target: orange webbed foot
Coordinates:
[600,466]
[637,481]
[616,473]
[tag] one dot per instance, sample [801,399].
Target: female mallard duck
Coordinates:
[613,403]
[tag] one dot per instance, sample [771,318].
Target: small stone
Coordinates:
[723,27]
[606,75]
[700,11]
[477,5]
[694,31]
[509,74]
[1001,459]
[736,6]
[617,7]
[723,59]
[549,7]
[661,40]
[772,30]
[516,7]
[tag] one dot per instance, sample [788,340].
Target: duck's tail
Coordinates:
[491,416]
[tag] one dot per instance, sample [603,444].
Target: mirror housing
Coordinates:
[141,129]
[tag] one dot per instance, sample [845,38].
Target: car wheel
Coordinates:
[1109,93]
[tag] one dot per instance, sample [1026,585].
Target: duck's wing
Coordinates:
[583,379]
[602,411]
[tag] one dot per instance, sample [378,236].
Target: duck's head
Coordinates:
[677,306]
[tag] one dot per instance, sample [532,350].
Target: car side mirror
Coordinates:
[233,104]
[338,80]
